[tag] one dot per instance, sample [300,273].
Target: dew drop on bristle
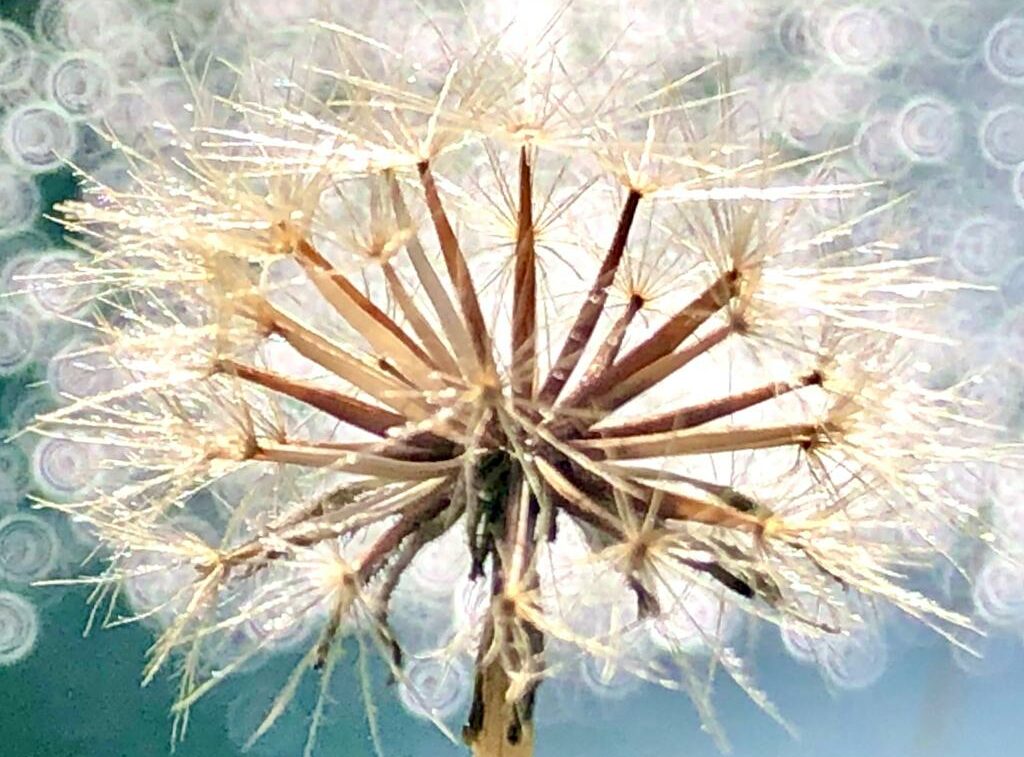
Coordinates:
[39,137]
[52,287]
[15,55]
[80,84]
[434,687]
[955,31]
[18,339]
[81,369]
[14,275]
[62,468]
[29,548]
[855,661]
[928,130]
[440,564]
[156,585]
[1004,50]
[858,38]
[1001,136]
[999,592]
[982,247]
[19,628]
[606,678]
[801,644]
[877,150]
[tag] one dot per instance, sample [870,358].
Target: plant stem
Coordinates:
[498,718]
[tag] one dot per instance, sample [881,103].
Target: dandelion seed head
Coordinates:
[482,356]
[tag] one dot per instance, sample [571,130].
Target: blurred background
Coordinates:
[928,94]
